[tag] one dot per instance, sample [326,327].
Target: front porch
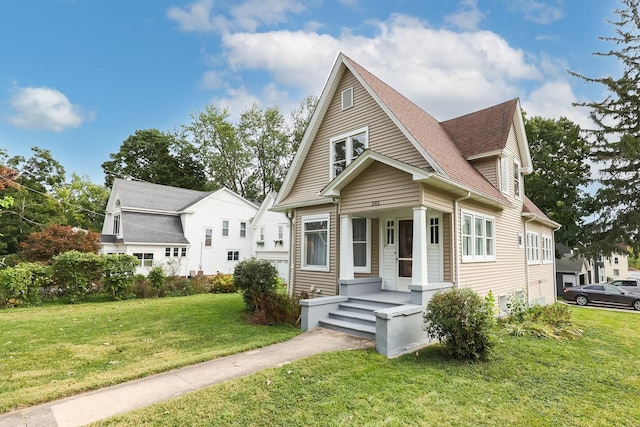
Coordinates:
[363,308]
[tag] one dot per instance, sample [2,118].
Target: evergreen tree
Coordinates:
[616,140]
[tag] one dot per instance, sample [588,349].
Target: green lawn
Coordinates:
[55,351]
[592,381]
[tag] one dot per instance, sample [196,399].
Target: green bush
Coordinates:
[157,277]
[549,321]
[22,284]
[142,287]
[255,278]
[176,287]
[76,272]
[118,273]
[463,322]
[222,283]
[277,308]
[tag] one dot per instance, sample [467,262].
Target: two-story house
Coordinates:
[389,205]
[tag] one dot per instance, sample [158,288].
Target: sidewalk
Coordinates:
[104,403]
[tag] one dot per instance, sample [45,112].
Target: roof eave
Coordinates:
[534,217]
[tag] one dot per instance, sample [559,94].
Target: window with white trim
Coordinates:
[478,237]
[262,233]
[280,231]
[347,98]
[225,228]
[434,230]
[243,229]
[361,228]
[504,174]
[233,255]
[116,224]
[533,248]
[547,249]
[516,178]
[315,242]
[144,259]
[346,148]
[208,236]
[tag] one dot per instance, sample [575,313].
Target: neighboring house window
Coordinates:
[478,237]
[225,228]
[233,255]
[533,248]
[615,260]
[434,231]
[183,252]
[516,178]
[208,236]
[346,148]
[176,252]
[347,98]
[167,251]
[616,272]
[280,231]
[243,229]
[315,242]
[361,228]
[262,233]
[144,259]
[504,174]
[116,224]
[547,249]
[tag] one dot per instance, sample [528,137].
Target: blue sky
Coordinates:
[77,77]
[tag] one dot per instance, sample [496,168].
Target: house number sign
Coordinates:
[375,203]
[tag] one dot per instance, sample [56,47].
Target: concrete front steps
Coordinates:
[355,316]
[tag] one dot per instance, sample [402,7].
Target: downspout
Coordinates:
[456,235]
[526,258]
[292,269]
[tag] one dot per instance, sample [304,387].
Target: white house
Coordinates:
[188,232]
[271,236]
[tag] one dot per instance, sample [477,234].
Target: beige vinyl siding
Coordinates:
[434,198]
[489,168]
[541,276]
[379,187]
[375,251]
[305,279]
[507,273]
[384,138]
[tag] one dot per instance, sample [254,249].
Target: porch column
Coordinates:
[346,248]
[419,267]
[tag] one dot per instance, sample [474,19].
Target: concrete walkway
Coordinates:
[100,404]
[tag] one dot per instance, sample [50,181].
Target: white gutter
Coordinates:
[458,242]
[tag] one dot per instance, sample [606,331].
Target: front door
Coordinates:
[405,253]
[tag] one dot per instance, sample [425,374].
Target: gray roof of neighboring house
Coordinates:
[144,195]
[568,264]
[152,228]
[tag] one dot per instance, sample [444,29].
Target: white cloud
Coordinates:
[553,99]
[199,16]
[468,18]
[45,109]
[538,12]
[196,18]
[252,13]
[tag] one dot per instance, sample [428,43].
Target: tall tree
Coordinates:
[83,202]
[616,139]
[560,176]
[300,118]
[225,161]
[263,134]
[158,157]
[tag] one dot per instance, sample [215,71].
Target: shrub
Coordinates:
[157,277]
[22,284]
[255,278]
[142,287]
[222,283]
[277,308]
[118,271]
[549,321]
[75,272]
[463,322]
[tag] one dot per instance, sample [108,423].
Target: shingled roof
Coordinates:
[145,195]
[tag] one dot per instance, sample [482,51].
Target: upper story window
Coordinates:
[478,237]
[615,260]
[262,233]
[504,174]
[516,178]
[346,148]
[116,224]
[225,228]
[243,229]
[280,231]
[347,98]
[533,248]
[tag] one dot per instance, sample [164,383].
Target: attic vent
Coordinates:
[347,98]
[118,202]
